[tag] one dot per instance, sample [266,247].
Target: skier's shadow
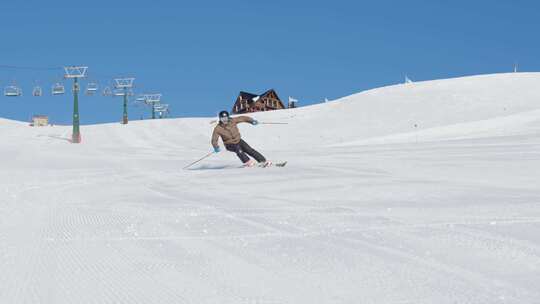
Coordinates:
[54,136]
[208,167]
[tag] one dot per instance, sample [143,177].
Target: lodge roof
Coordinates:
[249,96]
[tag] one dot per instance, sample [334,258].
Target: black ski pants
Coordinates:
[242,148]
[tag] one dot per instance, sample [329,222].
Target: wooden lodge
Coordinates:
[247,102]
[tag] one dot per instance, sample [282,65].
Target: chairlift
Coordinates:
[119,92]
[12,91]
[107,91]
[37,91]
[161,109]
[58,89]
[122,92]
[91,88]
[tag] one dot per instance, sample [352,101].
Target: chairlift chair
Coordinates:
[107,91]
[122,92]
[58,89]
[37,91]
[91,88]
[161,107]
[162,110]
[119,92]
[140,98]
[12,91]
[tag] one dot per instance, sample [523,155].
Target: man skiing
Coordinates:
[227,129]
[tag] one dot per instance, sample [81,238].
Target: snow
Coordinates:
[369,209]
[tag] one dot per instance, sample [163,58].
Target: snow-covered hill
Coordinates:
[416,193]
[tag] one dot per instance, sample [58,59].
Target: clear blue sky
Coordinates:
[200,54]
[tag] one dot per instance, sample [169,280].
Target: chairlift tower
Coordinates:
[75,72]
[152,100]
[124,86]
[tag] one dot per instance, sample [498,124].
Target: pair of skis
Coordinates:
[267,165]
[280,164]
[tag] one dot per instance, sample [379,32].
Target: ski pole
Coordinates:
[200,159]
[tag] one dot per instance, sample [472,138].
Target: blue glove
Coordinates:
[216,149]
[254,122]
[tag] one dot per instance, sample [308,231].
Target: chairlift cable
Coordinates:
[3,66]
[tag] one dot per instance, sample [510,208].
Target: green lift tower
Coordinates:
[75,72]
[123,87]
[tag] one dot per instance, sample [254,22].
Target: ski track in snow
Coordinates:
[116,220]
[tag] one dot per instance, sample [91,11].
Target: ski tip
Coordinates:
[282,164]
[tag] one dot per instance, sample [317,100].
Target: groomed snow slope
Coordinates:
[370,208]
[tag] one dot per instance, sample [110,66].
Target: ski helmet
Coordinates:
[223,116]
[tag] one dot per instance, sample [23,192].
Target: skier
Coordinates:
[227,129]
